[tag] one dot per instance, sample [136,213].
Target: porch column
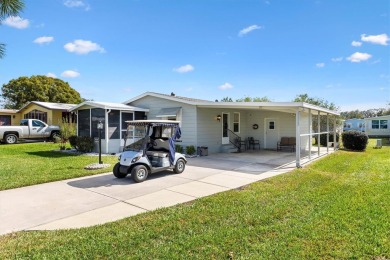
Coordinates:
[310,133]
[298,139]
[319,131]
[327,133]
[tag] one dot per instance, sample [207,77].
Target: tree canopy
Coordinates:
[247,99]
[18,92]
[360,114]
[315,101]
[9,8]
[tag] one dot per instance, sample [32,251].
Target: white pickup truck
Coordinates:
[28,129]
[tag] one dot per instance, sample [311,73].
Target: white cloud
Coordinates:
[44,39]
[337,59]
[381,39]
[83,47]
[249,29]
[17,22]
[356,44]
[184,68]
[358,57]
[77,3]
[225,86]
[51,75]
[320,65]
[70,74]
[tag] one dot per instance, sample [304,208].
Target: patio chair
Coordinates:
[240,143]
[253,142]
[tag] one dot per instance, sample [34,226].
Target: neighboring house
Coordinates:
[213,124]
[354,124]
[9,117]
[48,112]
[113,117]
[378,126]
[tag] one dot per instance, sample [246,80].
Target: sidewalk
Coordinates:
[102,198]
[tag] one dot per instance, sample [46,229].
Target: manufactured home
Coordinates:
[218,125]
[378,126]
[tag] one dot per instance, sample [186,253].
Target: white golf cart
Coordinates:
[153,152]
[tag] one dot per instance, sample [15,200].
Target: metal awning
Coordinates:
[169,111]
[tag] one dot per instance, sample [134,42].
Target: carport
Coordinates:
[310,122]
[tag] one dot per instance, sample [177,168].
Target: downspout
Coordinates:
[77,124]
[106,127]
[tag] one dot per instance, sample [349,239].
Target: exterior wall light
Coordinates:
[219,118]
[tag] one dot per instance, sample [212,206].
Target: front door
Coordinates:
[271,133]
[225,128]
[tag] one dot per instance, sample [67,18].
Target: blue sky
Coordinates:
[111,51]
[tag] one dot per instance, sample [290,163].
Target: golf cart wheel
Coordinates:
[11,139]
[180,166]
[117,173]
[139,173]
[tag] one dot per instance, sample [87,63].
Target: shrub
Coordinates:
[179,148]
[323,138]
[82,144]
[73,141]
[355,140]
[190,150]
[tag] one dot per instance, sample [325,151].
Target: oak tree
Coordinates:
[18,92]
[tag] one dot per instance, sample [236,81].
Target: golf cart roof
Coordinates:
[153,123]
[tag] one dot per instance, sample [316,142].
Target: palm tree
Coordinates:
[9,8]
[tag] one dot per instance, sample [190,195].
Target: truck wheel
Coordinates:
[10,139]
[180,166]
[55,135]
[117,173]
[139,173]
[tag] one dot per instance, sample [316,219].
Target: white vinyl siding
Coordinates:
[187,116]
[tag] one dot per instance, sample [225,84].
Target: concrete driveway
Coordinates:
[102,198]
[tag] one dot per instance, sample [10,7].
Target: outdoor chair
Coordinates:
[240,143]
[253,142]
[286,143]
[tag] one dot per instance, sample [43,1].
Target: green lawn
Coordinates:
[32,163]
[335,208]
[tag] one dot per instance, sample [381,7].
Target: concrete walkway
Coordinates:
[102,198]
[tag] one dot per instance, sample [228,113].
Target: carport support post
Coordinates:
[327,133]
[298,139]
[334,134]
[310,133]
[319,131]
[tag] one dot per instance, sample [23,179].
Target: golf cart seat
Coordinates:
[160,144]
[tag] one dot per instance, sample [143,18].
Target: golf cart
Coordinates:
[154,151]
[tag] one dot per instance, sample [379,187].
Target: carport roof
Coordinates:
[288,107]
[108,105]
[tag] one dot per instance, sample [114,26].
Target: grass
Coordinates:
[335,208]
[34,163]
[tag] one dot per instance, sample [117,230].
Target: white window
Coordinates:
[379,124]
[236,122]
